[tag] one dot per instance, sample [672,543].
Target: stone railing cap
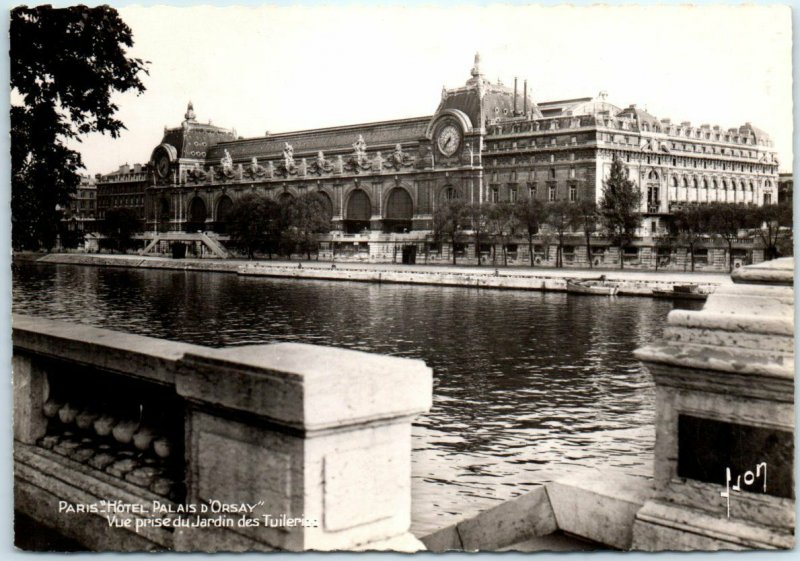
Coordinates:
[307,386]
[777,271]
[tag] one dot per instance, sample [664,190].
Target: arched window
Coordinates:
[224,207]
[724,185]
[674,181]
[714,183]
[652,174]
[705,183]
[357,212]
[449,193]
[285,198]
[197,215]
[399,210]
[685,182]
[326,204]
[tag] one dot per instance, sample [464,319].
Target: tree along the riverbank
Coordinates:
[254,224]
[726,220]
[619,207]
[774,228]
[119,226]
[689,225]
[65,66]
[531,214]
[584,217]
[502,223]
[450,219]
[306,216]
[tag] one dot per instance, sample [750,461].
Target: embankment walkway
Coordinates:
[629,282]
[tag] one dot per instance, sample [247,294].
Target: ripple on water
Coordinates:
[526,385]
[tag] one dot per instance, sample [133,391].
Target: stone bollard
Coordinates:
[725,420]
[317,434]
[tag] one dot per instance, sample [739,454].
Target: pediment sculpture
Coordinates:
[320,165]
[398,158]
[288,164]
[196,174]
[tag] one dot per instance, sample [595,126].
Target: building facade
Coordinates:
[485,142]
[81,215]
[123,188]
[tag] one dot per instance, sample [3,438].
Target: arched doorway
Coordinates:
[399,210]
[358,212]
[197,216]
[224,208]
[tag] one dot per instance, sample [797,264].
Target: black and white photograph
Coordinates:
[401,277]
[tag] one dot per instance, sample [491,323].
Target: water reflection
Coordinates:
[527,385]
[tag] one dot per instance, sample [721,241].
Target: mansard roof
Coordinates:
[383,134]
[639,115]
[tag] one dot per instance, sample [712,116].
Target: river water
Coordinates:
[527,385]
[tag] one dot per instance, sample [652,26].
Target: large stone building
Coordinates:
[81,215]
[123,188]
[485,142]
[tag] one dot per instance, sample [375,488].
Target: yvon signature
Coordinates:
[749,478]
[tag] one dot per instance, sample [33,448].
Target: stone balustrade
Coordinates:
[118,438]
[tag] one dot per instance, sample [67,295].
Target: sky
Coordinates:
[277,69]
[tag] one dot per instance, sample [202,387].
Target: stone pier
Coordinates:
[724,456]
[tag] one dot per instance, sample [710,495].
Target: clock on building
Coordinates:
[162,165]
[448,138]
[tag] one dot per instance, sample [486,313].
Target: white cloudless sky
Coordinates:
[285,68]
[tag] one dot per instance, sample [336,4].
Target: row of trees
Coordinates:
[258,223]
[617,216]
[693,223]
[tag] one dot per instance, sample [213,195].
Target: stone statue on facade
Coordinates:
[288,155]
[288,158]
[225,167]
[360,149]
[226,162]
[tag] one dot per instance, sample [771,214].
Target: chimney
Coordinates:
[525,97]
[515,96]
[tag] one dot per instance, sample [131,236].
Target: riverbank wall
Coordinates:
[628,283]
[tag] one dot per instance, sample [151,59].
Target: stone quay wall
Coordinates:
[630,283]
[130,443]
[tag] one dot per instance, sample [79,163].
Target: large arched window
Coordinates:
[327,204]
[685,182]
[357,212]
[224,207]
[197,215]
[674,181]
[399,210]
